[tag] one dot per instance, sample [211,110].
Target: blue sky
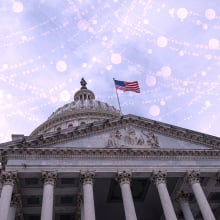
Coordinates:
[171,47]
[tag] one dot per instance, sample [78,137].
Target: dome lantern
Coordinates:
[84,93]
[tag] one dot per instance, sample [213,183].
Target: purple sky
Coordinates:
[171,47]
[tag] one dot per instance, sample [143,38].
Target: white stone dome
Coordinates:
[84,109]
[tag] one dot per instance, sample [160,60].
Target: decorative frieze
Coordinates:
[45,153]
[49,177]
[159,177]
[87,177]
[9,178]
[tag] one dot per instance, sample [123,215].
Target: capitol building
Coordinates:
[87,161]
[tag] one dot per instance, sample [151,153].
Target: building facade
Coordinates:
[88,161]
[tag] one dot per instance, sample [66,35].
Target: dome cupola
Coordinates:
[84,109]
[84,93]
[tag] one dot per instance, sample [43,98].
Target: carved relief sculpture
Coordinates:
[128,137]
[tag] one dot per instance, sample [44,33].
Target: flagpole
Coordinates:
[117,97]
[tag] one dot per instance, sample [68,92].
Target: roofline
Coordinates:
[117,122]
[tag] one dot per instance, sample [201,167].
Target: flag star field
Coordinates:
[172,48]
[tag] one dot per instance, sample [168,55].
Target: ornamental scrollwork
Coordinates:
[193,176]
[87,177]
[183,196]
[9,178]
[159,177]
[128,137]
[49,177]
[123,177]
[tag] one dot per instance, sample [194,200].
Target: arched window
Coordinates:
[59,129]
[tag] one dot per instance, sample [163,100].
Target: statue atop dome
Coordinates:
[84,93]
[83,83]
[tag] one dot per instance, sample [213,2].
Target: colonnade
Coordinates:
[86,199]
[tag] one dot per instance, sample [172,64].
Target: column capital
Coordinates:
[193,176]
[87,177]
[159,177]
[183,196]
[9,178]
[123,177]
[49,177]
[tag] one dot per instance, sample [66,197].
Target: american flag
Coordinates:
[127,86]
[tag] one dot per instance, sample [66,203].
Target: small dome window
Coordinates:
[70,125]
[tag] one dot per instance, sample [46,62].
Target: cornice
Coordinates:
[49,139]
[106,153]
[177,132]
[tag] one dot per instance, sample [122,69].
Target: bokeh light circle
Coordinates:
[182,13]
[162,103]
[166,71]
[154,110]
[64,96]
[17,7]
[162,41]
[213,44]
[210,14]
[151,81]
[61,66]
[116,58]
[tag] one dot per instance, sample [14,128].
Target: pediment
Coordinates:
[125,132]
[131,136]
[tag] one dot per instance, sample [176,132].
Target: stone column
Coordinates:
[8,180]
[87,179]
[124,179]
[183,199]
[12,213]
[159,179]
[49,179]
[15,201]
[194,180]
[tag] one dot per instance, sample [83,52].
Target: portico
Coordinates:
[108,187]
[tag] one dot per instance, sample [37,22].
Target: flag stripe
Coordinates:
[127,86]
